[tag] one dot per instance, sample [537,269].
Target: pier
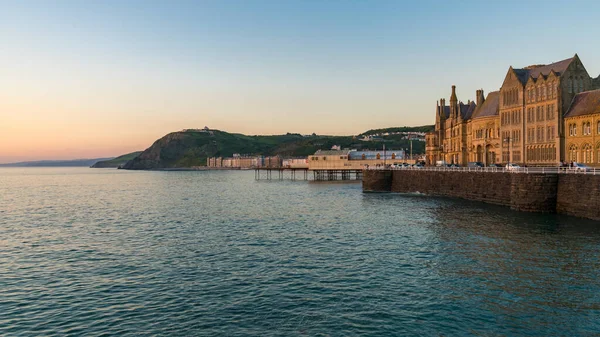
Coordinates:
[282,173]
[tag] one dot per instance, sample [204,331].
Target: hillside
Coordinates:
[192,148]
[116,162]
[424,128]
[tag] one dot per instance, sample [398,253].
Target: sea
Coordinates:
[106,252]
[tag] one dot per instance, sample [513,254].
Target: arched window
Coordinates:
[581,84]
[587,153]
[393,156]
[573,153]
[598,127]
[574,129]
[378,156]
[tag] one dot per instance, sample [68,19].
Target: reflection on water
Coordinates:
[89,252]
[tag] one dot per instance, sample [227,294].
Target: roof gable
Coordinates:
[466,110]
[536,71]
[585,103]
[490,106]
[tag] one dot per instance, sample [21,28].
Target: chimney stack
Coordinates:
[480,97]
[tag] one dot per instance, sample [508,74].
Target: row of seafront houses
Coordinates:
[321,160]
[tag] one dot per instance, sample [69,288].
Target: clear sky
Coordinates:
[85,79]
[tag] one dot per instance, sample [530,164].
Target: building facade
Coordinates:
[354,160]
[523,122]
[582,129]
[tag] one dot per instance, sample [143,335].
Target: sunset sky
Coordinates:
[86,79]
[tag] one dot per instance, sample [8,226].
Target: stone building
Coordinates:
[484,138]
[582,129]
[524,123]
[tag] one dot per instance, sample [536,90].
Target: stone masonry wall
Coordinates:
[481,186]
[573,194]
[579,195]
[377,181]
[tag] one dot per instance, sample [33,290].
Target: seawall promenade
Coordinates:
[565,193]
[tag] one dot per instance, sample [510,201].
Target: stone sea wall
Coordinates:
[573,194]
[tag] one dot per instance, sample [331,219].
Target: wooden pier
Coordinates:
[264,173]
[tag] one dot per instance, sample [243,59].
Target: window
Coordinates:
[570,85]
[543,92]
[598,127]
[581,85]
[573,153]
[517,156]
[587,153]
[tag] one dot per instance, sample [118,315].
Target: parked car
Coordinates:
[580,167]
[512,167]
[493,165]
[475,164]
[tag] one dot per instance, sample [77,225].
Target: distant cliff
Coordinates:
[192,147]
[116,162]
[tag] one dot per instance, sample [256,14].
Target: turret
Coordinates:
[454,103]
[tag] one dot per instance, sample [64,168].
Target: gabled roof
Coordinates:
[446,111]
[585,103]
[544,70]
[490,106]
[466,110]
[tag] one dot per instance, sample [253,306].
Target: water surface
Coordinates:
[111,252]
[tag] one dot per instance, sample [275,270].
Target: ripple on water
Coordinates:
[112,252]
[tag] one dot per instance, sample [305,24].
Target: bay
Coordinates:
[111,252]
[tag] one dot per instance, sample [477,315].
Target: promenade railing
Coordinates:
[522,170]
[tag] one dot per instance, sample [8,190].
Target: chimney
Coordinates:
[480,97]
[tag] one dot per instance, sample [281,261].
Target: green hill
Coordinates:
[116,162]
[192,148]
[423,128]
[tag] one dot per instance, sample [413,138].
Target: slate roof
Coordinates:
[558,67]
[490,106]
[447,111]
[466,110]
[585,103]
